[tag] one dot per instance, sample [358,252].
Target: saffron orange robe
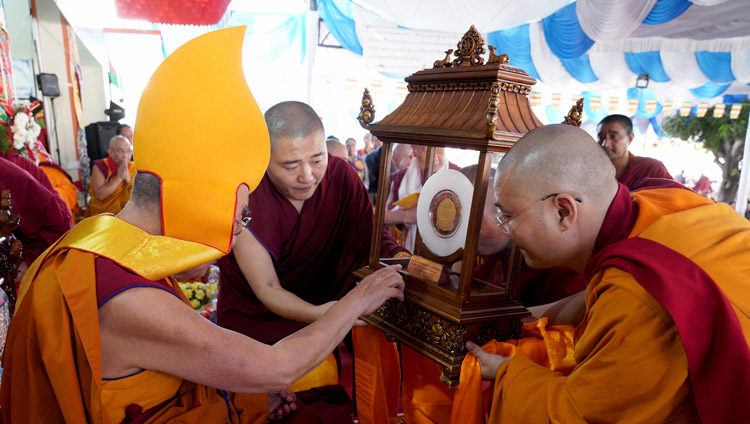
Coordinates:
[63,184]
[117,200]
[631,364]
[52,360]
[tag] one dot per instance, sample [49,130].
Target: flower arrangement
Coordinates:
[22,131]
[197,293]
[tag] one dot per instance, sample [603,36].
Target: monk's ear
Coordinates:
[630,138]
[567,210]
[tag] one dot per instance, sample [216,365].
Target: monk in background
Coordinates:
[615,135]
[112,178]
[44,215]
[103,334]
[666,314]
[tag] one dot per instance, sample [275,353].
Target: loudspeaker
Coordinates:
[48,84]
[98,135]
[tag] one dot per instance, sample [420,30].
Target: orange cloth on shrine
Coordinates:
[424,398]
[66,189]
[52,361]
[115,201]
[551,347]
[376,374]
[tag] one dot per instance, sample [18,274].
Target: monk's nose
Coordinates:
[306,175]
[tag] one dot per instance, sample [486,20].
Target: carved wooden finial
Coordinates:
[470,49]
[501,59]
[367,111]
[446,62]
[10,248]
[575,114]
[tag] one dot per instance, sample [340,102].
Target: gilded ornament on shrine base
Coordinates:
[575,114]
[366,111]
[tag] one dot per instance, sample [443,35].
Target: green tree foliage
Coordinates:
[724,137]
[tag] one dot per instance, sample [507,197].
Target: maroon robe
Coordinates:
[44,215]
[314,252]
[30,167]
[533,286]
[641,167]
[711,334]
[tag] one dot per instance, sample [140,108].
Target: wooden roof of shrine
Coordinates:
[461,101]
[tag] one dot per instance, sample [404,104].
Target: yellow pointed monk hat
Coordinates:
[199,129]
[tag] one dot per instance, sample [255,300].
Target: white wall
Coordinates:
[95,81]
[53,52]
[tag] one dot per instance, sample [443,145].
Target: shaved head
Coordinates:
[553,189]
[335,148]
[558,158]
[293,120]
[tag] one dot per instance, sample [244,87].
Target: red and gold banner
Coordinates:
[719,111]
[702,109]
[666,107]
[556,99]
[536,98]
[735,112]
[685,109]
[596,103]
[651,105]
[632,106]
[614,102]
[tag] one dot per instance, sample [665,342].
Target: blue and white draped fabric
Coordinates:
[694,48]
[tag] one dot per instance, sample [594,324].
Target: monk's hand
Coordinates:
[487,361]
[123,171]
[281,404]
[376,288]
[410,215]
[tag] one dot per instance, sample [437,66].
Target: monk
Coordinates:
[315,230]
[665,333]
[103,334]
[125,131]
[615,135]
[44,216]
[112,178]
[52,176]
[406,181]
[532,287]
[335,148]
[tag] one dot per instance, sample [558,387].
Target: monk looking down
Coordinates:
[311,229]
[112,178]
[665,333]
[615,135]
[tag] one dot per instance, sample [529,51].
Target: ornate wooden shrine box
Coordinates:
[481,109]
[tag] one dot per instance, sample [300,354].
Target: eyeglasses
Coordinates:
[503,221]
[122,150]
[243,223]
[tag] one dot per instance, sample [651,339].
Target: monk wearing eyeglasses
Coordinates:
[666,313]
[112,178]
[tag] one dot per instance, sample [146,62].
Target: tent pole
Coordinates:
[741,204]
[312,45]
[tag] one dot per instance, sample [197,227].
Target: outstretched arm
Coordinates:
[147,328]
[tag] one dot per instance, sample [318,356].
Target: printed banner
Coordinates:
[735,112]
[719,111]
